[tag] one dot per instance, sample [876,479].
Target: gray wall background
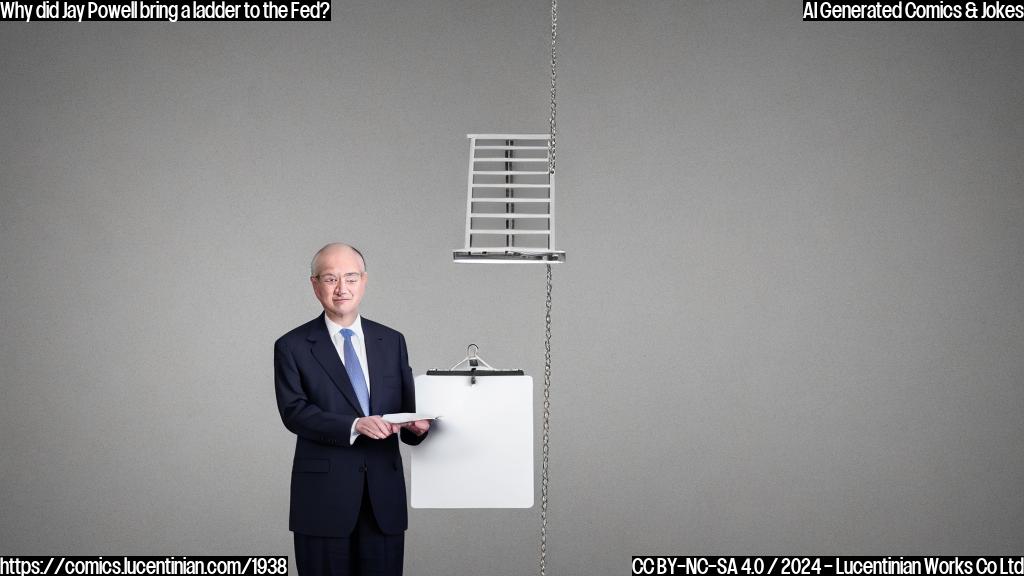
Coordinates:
[791,320]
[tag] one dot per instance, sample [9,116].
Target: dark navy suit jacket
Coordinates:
[317,403]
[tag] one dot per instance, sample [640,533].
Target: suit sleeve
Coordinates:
[299,415]
[408,393]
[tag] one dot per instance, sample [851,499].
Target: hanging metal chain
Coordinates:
[545,444]
[552,125]
[545,451]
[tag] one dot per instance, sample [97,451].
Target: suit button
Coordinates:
[362,468]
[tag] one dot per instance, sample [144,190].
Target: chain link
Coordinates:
[552,125]
[545,449]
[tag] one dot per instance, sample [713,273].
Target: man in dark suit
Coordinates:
[335,376]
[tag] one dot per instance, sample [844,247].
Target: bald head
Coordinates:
[333,247]
[339,281]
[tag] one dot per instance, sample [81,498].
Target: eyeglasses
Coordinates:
[350,279]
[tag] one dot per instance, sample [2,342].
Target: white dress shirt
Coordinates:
[359,343]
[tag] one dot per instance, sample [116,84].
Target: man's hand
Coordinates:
[418,427]
[374,427]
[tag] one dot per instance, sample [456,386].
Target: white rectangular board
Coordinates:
[479,453]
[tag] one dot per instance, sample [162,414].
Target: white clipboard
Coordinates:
[480,453]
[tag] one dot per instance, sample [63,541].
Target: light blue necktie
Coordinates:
[355,372]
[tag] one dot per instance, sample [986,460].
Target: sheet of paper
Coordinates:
[403,417]
[480,454]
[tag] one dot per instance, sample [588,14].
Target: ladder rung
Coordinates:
[510,173]
[510,215]
[511,185]
[507,200]
[510,160]
[511,232]
[511,147]
[509,136]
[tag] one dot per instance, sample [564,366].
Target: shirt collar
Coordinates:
[333,328]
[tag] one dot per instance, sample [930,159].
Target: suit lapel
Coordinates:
[327,355]
[374,357]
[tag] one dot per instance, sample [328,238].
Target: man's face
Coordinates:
[339,284]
